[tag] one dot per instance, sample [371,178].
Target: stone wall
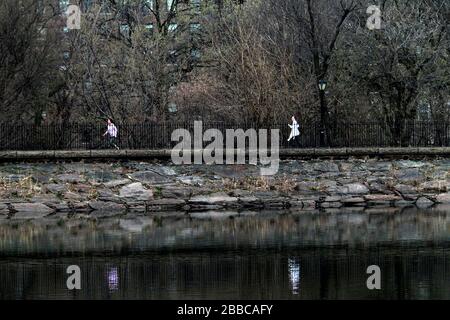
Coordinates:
[98,189]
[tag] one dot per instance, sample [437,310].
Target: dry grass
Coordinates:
[24,188]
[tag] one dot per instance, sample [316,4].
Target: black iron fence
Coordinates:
[158,135]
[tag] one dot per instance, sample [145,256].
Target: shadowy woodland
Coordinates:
[250,61]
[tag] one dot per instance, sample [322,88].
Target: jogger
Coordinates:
[294,132]
[112,134]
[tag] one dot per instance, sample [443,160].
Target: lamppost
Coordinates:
[323,111]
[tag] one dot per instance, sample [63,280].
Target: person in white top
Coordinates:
[294,131]
[112,134]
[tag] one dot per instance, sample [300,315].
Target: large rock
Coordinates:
[424,202]
[307,186]
[381,197]
[70,178]
[106,206]
[405,164]
[102,176]
[45,198]
[151,178]
[166,204]
[164,170]
[436,185]
[136,191]
[408,175]
[191,180]
[4,210]
[379,166]
[443,198]
[116,183]
[405,189]
[235,171]
[353,188]
[376,187]
[176,192]
[73,196]
[332,199]
[216,198]
[12,177]
[326,166]
[353,201]
[31,210]
[55,188]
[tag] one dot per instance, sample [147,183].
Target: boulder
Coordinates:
[166,204]
[70,178]
[353,188]
[176,192]
[436,185]
[55,188]
[408,175]
[191,180]
[4,210]
[151,178]
[12,177]
[136,191]
[332,199]
[31,210]
[353,200]
[443,198]
[405,164]
[73,196]
[106,206]
[424,202]
[331,204]
[215,198]
[326,166]
[116,183]
[379,166]
[45,198]
[381,197]
[405,189]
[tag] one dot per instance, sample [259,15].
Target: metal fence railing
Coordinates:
[158,135]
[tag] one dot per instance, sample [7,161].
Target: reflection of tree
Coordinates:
[260,230]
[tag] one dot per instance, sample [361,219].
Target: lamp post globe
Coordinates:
[322,85]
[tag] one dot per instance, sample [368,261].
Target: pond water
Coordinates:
[247,255]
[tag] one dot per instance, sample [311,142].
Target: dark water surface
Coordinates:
[233,256]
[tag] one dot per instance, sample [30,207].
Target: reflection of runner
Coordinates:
[294,131]
[112,134]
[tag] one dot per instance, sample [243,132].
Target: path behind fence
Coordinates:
[154,136]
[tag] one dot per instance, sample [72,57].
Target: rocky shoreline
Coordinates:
[37,190]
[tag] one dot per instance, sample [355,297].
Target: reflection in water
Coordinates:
[264,256]
[113,279]
[294,274]
[407,273]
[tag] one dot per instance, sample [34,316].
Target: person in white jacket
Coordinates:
[112,134]
[294,131]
